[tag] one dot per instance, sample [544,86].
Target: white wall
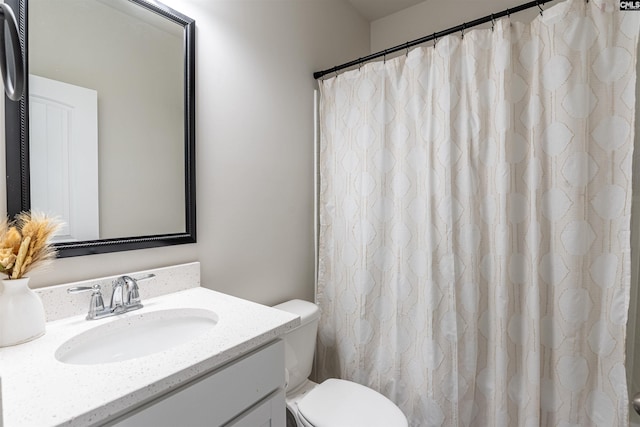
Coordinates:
[255,60]
[255,136]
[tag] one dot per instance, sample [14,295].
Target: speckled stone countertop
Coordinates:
[38,390]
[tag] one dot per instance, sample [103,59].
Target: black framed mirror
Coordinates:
[105,136]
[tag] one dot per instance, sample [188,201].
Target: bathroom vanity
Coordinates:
[225,368]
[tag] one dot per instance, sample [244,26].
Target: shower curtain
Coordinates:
[474,222]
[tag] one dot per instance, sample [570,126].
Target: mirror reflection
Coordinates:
[106,108]
[105,138]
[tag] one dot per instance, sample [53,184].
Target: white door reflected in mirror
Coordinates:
[63,148]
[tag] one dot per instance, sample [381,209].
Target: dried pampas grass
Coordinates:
[25,243]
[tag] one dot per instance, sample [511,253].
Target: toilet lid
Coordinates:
[336,403]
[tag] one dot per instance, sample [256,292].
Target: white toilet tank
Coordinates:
[300,343]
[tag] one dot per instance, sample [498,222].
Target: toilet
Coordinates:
[335,402]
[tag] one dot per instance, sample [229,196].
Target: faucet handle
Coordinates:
[135,293]
[78,289]
[145,277]
[96,305]
[132,291]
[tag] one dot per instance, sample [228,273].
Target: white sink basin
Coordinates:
[133,336]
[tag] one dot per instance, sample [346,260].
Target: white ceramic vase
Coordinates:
[22,316]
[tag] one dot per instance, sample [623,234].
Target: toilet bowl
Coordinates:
[335,402]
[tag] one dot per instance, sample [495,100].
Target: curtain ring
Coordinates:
[435,39]
[359,64]
[509,13]
[540,7]
[493,23]
[462,31]
[407,54]
[335,70]
[384,57]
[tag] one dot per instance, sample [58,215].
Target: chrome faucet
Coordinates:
[125,296]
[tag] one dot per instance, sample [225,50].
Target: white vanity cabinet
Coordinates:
[231,374]
[247,392]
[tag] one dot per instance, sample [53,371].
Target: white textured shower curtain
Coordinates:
[474,222]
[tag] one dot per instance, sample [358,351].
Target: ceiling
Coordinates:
[376,9]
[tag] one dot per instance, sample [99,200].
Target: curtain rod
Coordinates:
[434,36]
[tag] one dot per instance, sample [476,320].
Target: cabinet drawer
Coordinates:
[217,397]
[271,412]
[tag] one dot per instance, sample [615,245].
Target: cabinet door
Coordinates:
[221,396]
[268,413]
